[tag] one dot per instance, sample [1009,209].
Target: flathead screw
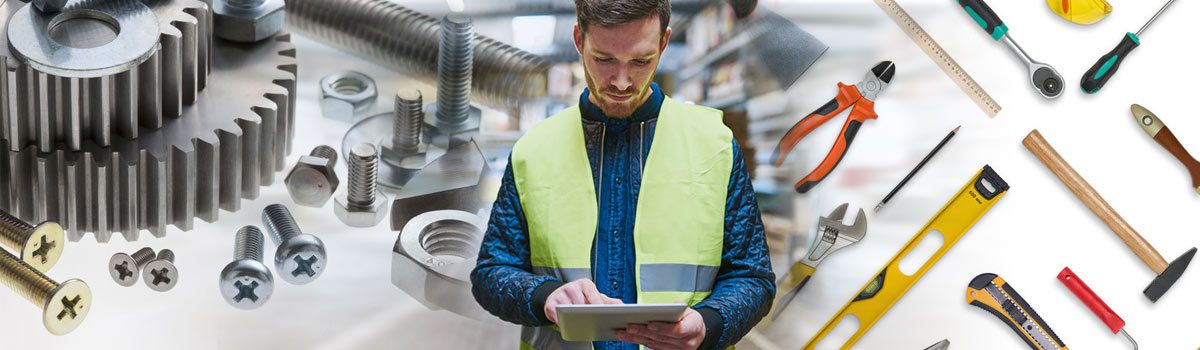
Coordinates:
[40,246]
[246,283]
[160,274]
[125,268]
[64,306]
[300,258]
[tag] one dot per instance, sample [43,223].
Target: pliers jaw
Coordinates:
[877,80]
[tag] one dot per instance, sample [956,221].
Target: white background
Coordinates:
[1034,231]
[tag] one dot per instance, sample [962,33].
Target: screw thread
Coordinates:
[25,280]
[364,171]
[249,244]
[279,223]
[142,257]
[410,121]
[14,231]
[456,60]
[397,37]
[326,152]
[245,4]
[166,254]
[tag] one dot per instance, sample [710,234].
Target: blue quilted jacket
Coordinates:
[617,149]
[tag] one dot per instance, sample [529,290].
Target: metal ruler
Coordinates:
[885,289]
[939,56]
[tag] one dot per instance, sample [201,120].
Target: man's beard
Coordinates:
[616,109]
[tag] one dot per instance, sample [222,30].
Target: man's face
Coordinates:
[619,63]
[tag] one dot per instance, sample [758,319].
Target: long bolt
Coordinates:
[409,121]
[407,40]
[326,152]
[364,171]
[456,58]
[300,257]
[40,246]
[64,306]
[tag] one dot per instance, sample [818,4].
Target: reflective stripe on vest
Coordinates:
[679,230]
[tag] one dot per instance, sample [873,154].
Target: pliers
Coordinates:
[862,97]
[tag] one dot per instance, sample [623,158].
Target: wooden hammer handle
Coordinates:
[1088,195]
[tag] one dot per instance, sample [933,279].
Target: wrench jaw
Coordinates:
[835,235]
[1046,80]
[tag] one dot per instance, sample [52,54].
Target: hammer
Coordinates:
[1167,273]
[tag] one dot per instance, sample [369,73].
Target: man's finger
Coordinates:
[651,332]
[574,296]
[646,341]
[674,330]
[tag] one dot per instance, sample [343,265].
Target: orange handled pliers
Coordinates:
[862,97]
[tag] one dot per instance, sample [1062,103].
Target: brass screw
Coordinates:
[40,246]
[64,306]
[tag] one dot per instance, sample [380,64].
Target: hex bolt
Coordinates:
[410,121]
[125,268]
[407,40]
[363,205]
[40,246]
[246,283]
[456,60]
[64,306]
[160,274]
[300,258]
[313,180]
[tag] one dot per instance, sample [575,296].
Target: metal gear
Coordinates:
[221,149]
[97,85]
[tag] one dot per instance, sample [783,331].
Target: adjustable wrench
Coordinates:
[832,236]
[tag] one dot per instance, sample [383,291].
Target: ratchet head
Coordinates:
[834,235]
[1046,80]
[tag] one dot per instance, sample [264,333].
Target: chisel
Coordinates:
[1098,75]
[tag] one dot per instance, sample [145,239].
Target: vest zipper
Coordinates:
[600,189]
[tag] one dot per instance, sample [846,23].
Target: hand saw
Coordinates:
[885,289]
[990,292]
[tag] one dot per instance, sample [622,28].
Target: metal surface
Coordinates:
[313,180]
[160,274]
[452,181]
[246,283]
[347,94]
[1044,78]
[100,70]
[1143,29]
[220,150]
[300,258]
[247,20]
[64,306]
[834,235]
[363,205]
[49,6]
[125,268]
[433,259]
[408,40]
[1131,341]
[39,246]
[942,345]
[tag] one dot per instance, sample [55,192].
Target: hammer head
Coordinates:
[1164,281]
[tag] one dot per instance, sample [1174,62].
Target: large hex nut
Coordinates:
[247,23]
[345,95]
[433,259]
[312,181]
[364,216]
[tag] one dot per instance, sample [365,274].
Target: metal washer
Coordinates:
[28,33]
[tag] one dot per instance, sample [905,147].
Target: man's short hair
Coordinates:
[608,13]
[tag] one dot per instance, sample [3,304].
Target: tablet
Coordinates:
[600,322]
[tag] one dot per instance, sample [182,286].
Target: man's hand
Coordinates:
[687,333]
[573,293]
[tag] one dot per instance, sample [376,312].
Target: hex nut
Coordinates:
[433,258]
[312,181]
[345,95]
[364,216]
[247,25]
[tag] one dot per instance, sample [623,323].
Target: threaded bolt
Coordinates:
[64,306]
[300,258]
[456,60]
[364,171]
[408,41]
[246,283]
[326,152]
[410,121]
[160,273]
[39,246]
[313,180]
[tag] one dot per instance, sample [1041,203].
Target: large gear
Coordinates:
[221,149]
[73,92]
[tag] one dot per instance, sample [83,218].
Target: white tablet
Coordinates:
[600,322]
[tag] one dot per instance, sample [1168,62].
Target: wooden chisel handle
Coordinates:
[1163,135]
[1088,195]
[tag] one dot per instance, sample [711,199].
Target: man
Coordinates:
[590,213]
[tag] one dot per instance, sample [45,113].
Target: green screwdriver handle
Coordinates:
[983,14]
[1104,69]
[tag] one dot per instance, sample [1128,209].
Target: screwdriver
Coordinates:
[1104,69]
